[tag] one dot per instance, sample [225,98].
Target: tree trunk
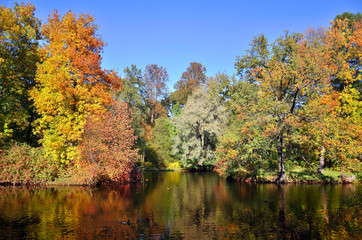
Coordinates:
[321,160]
[282,210]
[281,176]
[152,113]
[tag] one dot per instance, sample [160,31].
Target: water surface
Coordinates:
[173,205]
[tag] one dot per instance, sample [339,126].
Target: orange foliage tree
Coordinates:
[332,122]
[107,147]
[291,71]
[190,80]
[70,84]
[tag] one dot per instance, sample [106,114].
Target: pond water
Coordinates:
[174,205]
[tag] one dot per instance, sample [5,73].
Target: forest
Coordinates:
[292,111]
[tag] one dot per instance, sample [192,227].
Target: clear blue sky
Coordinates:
[174,33]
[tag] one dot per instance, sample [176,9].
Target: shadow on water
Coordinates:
[174,205]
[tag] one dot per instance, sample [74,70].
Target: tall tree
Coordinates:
[190,80]
[334,119]
[155,79]
[247,145]
[70,84]
[289,71]
[198,128]
[133,93]
[19,35]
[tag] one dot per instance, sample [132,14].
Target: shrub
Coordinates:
[107,147]
[22,164]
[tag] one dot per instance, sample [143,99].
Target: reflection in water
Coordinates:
[182,205]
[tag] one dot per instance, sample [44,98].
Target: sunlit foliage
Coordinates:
[198,128]
[70,84]
[107,147]
[19,35]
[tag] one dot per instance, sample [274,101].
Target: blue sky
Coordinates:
[174,33]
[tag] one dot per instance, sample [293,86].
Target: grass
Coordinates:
[299,174]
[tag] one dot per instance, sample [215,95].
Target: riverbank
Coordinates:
[305,176]
[294,175]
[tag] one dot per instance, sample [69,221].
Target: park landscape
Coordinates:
[294,106]
[290,116]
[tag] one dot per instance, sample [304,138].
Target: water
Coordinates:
[173,205]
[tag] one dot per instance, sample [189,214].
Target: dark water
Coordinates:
[182,205]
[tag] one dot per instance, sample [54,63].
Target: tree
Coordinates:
[247,145]
[162,141]
[107,146]
[70,84]
[350,17]
[19,35]
[290,71]
[190,80]
[133,88]
[332,122]
[155,79]
[133,93]
[331,128]
[219,86]
[198,128]
[345,44]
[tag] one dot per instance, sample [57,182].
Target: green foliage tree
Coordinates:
[246,147]
[290,71]
[133,93]
[19,35]
[162,141]
[198,128]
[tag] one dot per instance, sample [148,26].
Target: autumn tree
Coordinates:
[247,145]
[107,146]
[70,84]
[345,44]
[189,81]
[289,71]
[19,35]
[155,79]
[331,130]
[198,128]
[332,122]
[350,17]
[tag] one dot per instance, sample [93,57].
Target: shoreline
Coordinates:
[269,180]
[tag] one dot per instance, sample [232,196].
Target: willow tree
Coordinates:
[70,84]
[198,128]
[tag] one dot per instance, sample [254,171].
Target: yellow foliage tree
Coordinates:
[70,84]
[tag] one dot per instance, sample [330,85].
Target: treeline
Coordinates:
[293,102]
